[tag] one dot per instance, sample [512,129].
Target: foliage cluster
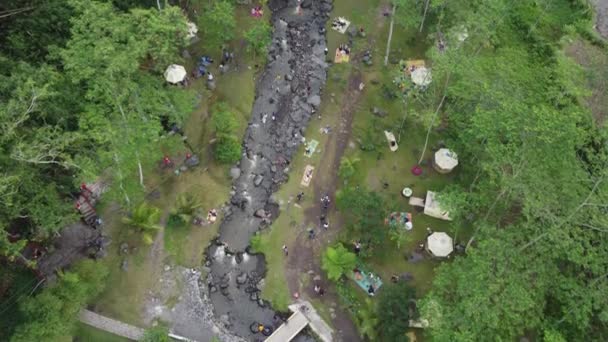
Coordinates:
[51,314]
[532,176]
[227,147]
[364,212]
[81,93]
[337,261]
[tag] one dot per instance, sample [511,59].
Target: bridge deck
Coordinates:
[286,332]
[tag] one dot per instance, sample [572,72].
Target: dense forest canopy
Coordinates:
[533,189]
[82,97]
[80,100]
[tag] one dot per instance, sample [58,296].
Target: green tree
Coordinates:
[157,334]
[52,314]
[186,206]
[337,261]
[258,37]
[394,312]
[145,218]
[223,120]
[348,167]
[364,212]
[227,148]
[218,22]
[367,320]
[399,236]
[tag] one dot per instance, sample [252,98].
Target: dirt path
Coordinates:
[307,254]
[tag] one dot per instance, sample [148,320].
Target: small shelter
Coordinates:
[175,73]
[421,76]
[307,177]
[392,142]
[433,208]
[445,160]
[192,30]
[340,24]
[440,244]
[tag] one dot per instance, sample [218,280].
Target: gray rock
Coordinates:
[241,278]
[235,172]
[192,161]
[379,112]
[124,248]
[124,265]
[260,213]
[258,180]
[314,100]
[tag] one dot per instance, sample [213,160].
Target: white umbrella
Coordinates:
[192,30]
[445,160]
[175,73]
[440,244]
[421,76]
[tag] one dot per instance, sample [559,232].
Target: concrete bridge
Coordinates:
[303,315]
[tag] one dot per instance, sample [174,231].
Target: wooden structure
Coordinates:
[85,204]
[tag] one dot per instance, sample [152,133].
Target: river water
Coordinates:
[287,94]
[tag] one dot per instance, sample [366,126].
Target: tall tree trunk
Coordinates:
[402,121]
[15,11]
[428,132]
[141,172]
[390,36]
[158,5]
[584,203]
[426,7]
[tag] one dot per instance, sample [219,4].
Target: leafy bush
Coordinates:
[348,167]
[144,217]
[156,334]
[186,206]
[52,314]
[259,37]
[218,23]
[364,212]
[256,243]
[223,119]
[337,261]
[227,149]
[394,312]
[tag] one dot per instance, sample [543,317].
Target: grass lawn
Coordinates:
[376,167]
[87,333]
[126,291]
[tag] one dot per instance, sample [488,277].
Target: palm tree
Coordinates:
[337,261]
[186,206]
[144,217]
[348,167]
[367,320]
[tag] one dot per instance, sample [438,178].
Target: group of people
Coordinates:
[344,49]
[257,11]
